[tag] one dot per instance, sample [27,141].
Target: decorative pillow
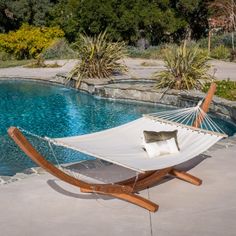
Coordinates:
[158,148]
[152,136]
[151,149]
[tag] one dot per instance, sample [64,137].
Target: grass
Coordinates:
[40,63]
[153,52]
[13,63]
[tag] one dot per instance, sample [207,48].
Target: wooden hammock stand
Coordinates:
[124,190]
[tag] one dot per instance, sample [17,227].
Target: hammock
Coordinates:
[122,146]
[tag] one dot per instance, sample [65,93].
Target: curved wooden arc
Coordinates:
[122,190]
[119,191]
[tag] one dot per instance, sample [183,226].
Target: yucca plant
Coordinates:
[186,68]
[99,58]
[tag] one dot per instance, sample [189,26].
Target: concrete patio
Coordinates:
[42,205]
[221,69]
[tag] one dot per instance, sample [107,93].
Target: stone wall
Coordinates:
[145,92]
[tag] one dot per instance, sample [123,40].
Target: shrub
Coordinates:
[157,52]
[99,58]
[135,52]
[233,55]
[186,68]
[60,49]
[153,52]
[220,52]
[217,40]
[29,41]
[225,89]
[5,56]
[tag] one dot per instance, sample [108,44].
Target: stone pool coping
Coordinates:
[140,91]
[148,93]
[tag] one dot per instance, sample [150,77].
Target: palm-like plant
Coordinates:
[186,68]
[99,58]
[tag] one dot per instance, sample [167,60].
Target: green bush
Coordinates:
[99,58]
[220,52]
[153,52]
[225,89]
[135,52]
[216,41]
[186,68]
[6,56]
[29,41]
[60,49]
[158,52]
[233,55]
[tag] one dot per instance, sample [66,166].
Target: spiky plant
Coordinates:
[186,68]
[99,58]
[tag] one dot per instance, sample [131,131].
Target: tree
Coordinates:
[195,14]
[13,13]
[126,19]
[156,21]
[7,19]
[29,41]
[65,15]
[33,12]
[225,11]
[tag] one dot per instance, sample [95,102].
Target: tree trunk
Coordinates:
[209,42]
[232,37]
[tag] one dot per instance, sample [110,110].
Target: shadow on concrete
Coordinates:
[186,166]
[55,186]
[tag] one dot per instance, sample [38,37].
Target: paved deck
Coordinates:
[221,69]
[42,205]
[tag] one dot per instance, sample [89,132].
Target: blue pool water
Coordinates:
[57,111]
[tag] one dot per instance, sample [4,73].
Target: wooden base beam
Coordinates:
[186,177]
[150,180]
[129,197]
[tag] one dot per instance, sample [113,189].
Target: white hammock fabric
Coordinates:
[122,145]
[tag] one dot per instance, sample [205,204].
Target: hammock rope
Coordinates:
[188,117]
[48,141]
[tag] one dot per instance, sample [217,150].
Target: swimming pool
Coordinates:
[56,111]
